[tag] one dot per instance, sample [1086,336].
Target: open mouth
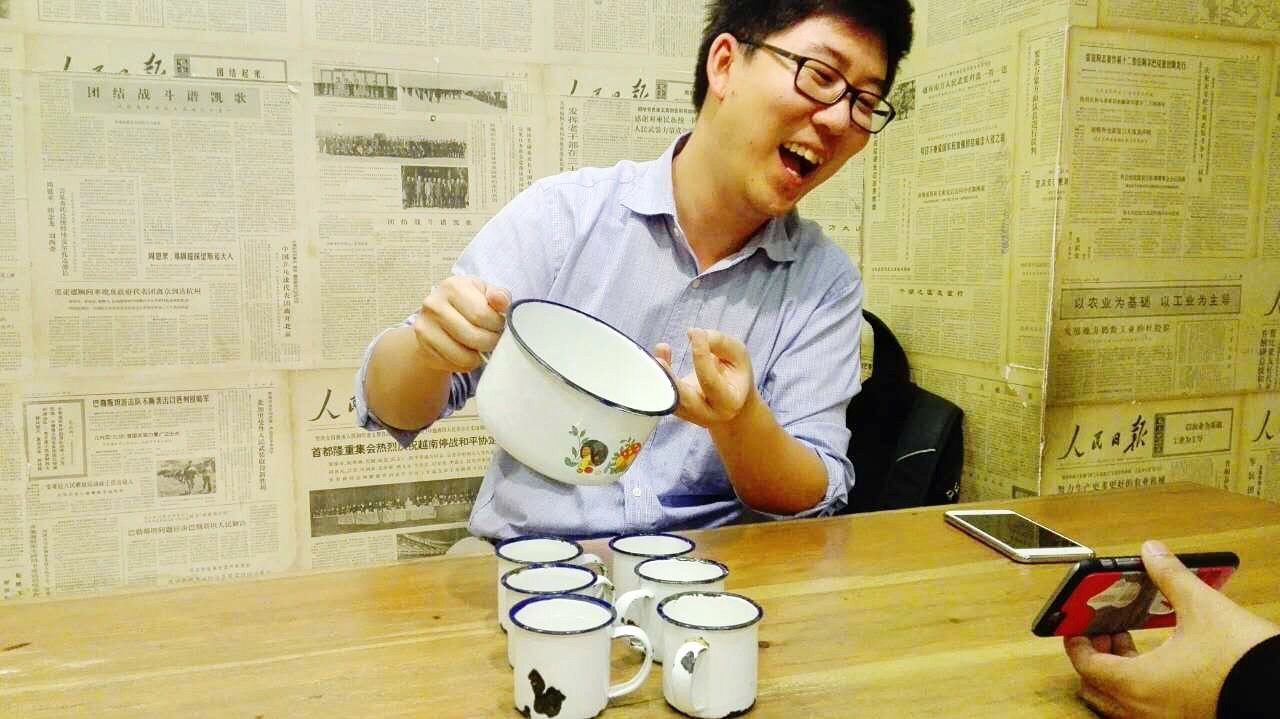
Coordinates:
[800,160]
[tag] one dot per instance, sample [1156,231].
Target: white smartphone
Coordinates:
[1016,536]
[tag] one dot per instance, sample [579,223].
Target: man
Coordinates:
[700,255]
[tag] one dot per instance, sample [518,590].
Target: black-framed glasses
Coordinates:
[822,83]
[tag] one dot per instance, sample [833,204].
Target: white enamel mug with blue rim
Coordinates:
[632,549]
[560,656]
[533,580]
[712,652]
[661,578]
[531,549]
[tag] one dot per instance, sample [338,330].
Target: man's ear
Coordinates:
[720,60]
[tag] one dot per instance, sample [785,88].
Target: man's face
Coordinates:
[777,144]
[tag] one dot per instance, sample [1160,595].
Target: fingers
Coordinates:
[705,364]
[662,351]
[1179,584]
[460,318]
[1122,645]
[442,350]
[1097,667]
[689,404]
[471,297]
[1103,676]
[499,299]
[1078,650]
[693,405]
[715,356]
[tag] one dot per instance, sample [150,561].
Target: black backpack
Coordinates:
[906,443]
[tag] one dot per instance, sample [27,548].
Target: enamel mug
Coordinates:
[534,580]
[632,549]
[521,551]
[712,652]
[561,650]
[659,579]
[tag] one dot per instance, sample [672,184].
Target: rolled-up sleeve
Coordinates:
[460,389]
[809,386]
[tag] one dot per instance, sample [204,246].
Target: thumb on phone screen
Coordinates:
[1178,584]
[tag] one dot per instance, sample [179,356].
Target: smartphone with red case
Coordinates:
[1109,595]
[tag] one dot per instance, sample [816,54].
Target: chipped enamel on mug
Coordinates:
[522,551]
[560,655]
[534,580]
[661,578]
[570,396]
[712,652]
[632,549]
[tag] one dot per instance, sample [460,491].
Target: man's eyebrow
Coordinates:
[842,60]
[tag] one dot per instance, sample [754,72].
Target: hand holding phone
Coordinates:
[1114,594]
[1015,536]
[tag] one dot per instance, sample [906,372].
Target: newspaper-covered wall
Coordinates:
[598,31]
[1165,147]
[1159,295]
[1038,184]
[1170,329]
[508,29]
[1251,20]
[155,483]
[273,21]
[167,183]
[938,208]
[1131,445]
[361,499]
[1164,355]
[1270,223]
[15,560]
[411,156]
[1260,475]
[15,279]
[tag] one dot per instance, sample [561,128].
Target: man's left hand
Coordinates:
[721,383]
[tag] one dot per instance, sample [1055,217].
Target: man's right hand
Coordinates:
[1182,676]
[460,318]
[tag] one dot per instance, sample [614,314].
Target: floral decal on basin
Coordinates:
[589,455]
[625,455]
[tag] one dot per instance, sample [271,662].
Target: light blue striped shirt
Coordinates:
[606,241]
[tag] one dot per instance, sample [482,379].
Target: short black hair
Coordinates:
[754,20]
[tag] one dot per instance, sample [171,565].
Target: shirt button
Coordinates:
[696,284]
[636,492]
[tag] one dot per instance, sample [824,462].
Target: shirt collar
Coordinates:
[651,193]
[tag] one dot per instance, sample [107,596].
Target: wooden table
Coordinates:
[890,614]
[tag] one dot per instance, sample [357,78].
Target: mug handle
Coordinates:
[640,641]
[623,605]
[603,588]
[684,673]
[592,562]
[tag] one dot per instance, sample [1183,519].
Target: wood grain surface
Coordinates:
[889,614]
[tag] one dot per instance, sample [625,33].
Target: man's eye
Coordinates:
[823,77]
[864,104]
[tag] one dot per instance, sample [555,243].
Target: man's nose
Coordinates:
[837,118]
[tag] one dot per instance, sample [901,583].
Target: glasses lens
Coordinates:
[871,112]
[820,82]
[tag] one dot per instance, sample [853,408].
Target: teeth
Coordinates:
[804,152]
